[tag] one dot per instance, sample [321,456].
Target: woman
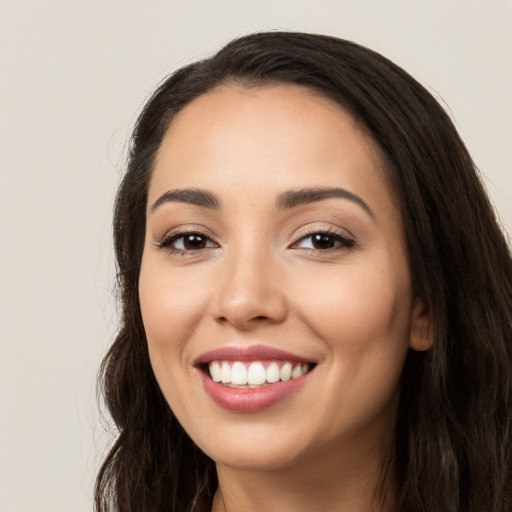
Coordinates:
[316,295]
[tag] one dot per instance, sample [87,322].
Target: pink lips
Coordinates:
[254,353]
[249,399]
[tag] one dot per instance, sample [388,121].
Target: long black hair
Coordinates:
[453,440]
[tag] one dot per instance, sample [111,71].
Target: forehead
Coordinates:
[247,130]
[247,109]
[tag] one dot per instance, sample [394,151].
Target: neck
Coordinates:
[355,482]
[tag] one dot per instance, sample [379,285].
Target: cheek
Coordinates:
[363,318]
[359,311]
[171,304]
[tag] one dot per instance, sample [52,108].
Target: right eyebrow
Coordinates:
[194,196]
[294,198]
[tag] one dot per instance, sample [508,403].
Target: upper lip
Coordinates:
[249,353]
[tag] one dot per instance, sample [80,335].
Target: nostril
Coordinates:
[248,310]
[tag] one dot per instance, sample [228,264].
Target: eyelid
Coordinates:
[172,235]
[183,229]
[344,236]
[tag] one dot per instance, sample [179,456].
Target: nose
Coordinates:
[250,291]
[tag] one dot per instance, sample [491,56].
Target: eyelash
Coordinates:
[167,241]
[343,242]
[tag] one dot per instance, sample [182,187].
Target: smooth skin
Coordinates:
[326,279]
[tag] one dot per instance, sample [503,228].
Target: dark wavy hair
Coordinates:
[453,439]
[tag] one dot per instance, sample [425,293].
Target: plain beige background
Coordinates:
[73,76]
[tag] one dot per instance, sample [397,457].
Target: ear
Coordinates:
[422,327]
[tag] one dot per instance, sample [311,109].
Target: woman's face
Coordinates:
[275,289]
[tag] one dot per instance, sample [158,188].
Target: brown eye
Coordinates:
[324,242]
[193,242]
[186,242]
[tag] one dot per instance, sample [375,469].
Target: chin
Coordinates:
[253,449]
[255,459]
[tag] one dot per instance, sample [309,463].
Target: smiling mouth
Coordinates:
[254,374]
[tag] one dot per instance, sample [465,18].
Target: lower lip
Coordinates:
[250,399]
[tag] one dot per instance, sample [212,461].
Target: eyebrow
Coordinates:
[294,198]
[194,196]
[285,201]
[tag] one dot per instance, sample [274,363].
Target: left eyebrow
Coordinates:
[294,198]
[193,196]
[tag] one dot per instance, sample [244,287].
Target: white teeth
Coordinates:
[273,372]
[225,373]
[238,374]
[286,372]
[297,371]
[215,371]
[255,374]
